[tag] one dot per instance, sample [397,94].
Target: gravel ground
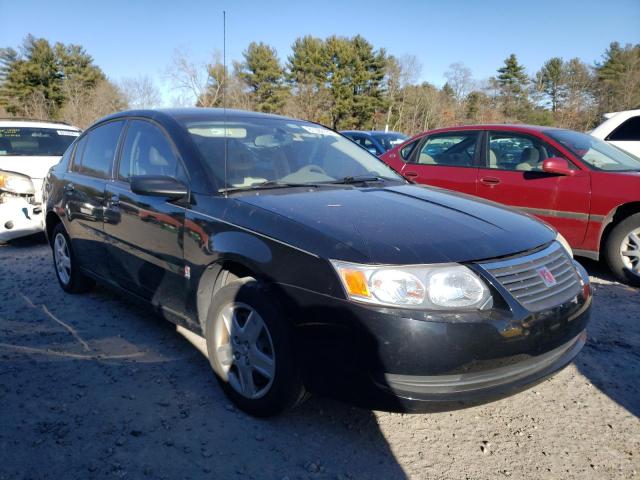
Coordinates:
[95,386]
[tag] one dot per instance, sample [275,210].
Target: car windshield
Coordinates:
[389,140]
[35,142]
[596,153]
[280,152]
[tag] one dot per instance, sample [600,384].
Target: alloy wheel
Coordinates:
[630,251]
[244,350]
[62,258]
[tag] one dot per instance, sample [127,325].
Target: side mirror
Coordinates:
[158,186]
[557,166]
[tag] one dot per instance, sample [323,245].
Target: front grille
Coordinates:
[521,277]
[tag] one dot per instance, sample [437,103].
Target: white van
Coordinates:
[28,149]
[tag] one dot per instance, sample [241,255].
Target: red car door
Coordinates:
[513,175]
[446,160]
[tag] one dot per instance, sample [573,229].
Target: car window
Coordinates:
[99,151]
[389,140]
[513,151]
[406,151]
[596,153]
[248,152]
[35,142]
[368,144]
[76,155]
[628,131]
[449,149]
[147,151]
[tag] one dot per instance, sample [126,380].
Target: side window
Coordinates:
[76,157]
[147,151]
[369,145]
[628,131]
[512,151]
[405,152]
[66,157]
[99,151]
[449,149]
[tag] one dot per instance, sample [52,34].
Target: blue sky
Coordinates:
[136,38]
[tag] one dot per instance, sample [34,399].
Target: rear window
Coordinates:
[629,131]
[35,142]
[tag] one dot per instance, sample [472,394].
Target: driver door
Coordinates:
[145,233]
[512,175]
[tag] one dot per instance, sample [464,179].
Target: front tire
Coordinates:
[250,345]
[622,250]
[70,278]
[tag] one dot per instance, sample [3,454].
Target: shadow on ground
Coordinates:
[94,386]
[611,357]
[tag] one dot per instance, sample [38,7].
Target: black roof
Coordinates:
[192,113]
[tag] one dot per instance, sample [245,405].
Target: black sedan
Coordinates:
[309,265]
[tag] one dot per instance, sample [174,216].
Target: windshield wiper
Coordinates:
[363,179]
[265,186]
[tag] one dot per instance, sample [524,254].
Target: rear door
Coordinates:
[446,160]
[145,233]
[513,175]
[84,190]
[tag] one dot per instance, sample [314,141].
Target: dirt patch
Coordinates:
[94,386]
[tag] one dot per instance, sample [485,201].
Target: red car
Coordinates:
[587,189]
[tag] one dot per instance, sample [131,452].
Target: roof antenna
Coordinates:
[224,95]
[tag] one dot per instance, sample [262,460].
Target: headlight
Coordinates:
[563,241]
[16,183]
[437,287]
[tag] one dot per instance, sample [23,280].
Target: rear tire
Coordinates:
[250,345]
[622,250]
[68,273]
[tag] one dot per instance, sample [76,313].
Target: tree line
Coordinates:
[338,81]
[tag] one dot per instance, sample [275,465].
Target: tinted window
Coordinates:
[100,150]
[449,149]
[147,151]
[628,131]
[511,151]
[76,158]
[26,141]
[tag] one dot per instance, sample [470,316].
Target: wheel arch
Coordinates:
[51,220]
[215,276]
[614,217]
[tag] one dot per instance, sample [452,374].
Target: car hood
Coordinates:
[397,225]
[34,167]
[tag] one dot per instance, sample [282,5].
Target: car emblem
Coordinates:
[546,276]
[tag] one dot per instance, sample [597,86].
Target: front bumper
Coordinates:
[19,218]
[428,361]
[448,392]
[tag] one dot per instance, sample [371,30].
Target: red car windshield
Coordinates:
[597,154]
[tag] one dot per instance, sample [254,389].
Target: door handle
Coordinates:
[69,187]
[410,174]
[490,181]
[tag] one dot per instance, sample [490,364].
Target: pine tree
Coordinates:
[551,80]
[618,78]
[264,75]
[512,82]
